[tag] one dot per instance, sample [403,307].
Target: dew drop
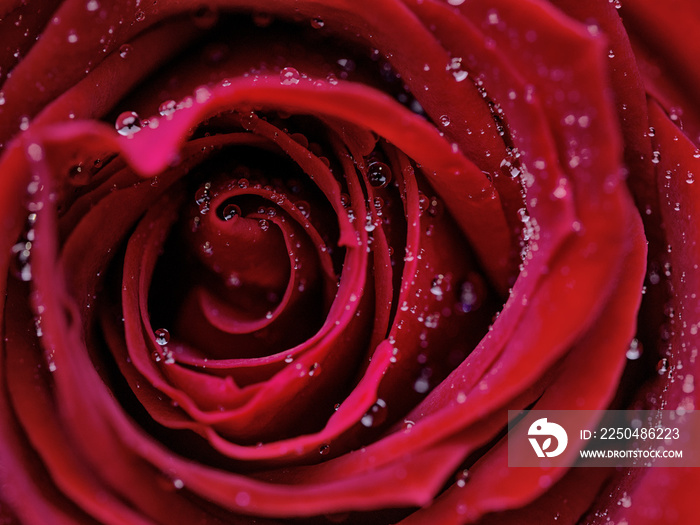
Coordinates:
[125,50]
[289,76]
[460,75]
[169,357]
[445,120]
[202,94]
[493,17]
[21,253]
[376,415]
[422,385]
[289,359]
[35,152]
[689,384]
[167,108]
[662,366]
[72,37]
[2,98]
[324,449]
[206,248]
[162,336]
[436,286]
[202,198]
[128,123]
[92,5]
[317,23]
[230,212]
[634,350]
[625,501]
[467,297]
[461,478]
[423,202]
[264,225]
[304,208]
[140,16]
[378,174]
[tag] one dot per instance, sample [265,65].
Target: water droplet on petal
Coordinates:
[289,76]
[468,297]
[125,50]
[202,94]
[445,120]
[625,501]
[230,212]
[92,5]
[436,286]
[317,23]
[72,37]
[21,253]
[140,16]
[378,174]
[128,123]
[462,477]
[167,108]
[162,336]
[662,366]
[376,415]
[634,350]
[460,75]
[422,385]
[304,208]
[324,449]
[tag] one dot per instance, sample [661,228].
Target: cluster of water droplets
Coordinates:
[376,415]
[455,67]
[163,354]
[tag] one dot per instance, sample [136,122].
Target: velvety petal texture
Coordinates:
[295,262]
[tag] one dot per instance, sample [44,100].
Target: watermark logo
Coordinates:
[604,438]
[543,428]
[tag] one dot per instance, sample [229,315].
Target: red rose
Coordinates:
[299,263]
